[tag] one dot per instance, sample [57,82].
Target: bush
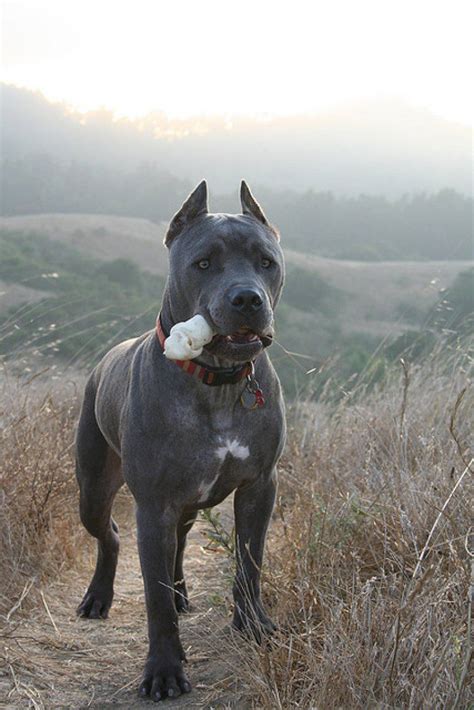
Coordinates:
[308,291]
[123,272]
[460,300]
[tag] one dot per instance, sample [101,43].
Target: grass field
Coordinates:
[368,570]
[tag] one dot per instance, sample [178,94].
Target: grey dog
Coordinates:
[184,435]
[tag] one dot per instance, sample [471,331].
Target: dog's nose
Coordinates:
[245,300]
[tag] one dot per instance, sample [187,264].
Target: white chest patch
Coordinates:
[234,448]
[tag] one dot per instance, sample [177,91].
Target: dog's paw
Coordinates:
[162,680]
[254,623]
[95,604]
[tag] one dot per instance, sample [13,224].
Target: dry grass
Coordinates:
[48,657]
[38,519]
[370,563]
[368,567]
[52,659]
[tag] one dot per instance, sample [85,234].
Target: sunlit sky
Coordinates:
[188,57]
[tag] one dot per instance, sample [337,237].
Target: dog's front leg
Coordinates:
[157,543]
[253,507]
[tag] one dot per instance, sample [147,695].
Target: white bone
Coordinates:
[186,340]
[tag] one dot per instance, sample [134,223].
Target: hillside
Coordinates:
[103,237]
[92,280]
[376,297]
[14,294]
[382,297]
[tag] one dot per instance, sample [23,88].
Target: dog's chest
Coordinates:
[221,450]
[226,437]
[229,463]
[198,449]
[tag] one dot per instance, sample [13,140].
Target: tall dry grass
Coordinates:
[372,552]
[369,563]
[38,497]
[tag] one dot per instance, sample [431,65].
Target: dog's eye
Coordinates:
[266,262]
[204,264]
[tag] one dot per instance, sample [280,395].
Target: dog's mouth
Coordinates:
[244,342]
[244,336]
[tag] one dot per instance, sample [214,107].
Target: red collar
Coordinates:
[212,376]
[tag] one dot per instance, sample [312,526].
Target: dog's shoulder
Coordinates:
[119,355]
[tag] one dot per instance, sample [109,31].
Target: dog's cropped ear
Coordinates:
[251,207]
[193,207]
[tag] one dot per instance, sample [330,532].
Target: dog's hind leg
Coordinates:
[180,592]
[99,475]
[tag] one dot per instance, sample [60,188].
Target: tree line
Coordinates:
[368,227]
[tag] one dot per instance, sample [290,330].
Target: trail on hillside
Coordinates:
[54,660]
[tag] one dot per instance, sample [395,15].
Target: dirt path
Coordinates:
[54,660]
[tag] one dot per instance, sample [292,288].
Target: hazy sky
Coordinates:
[249,56]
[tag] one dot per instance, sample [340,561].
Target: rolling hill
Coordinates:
[373,297]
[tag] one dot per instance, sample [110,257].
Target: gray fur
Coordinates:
[181,445]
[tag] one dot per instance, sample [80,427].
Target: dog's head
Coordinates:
[229,269]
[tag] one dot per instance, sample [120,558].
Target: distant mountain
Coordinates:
[373,147]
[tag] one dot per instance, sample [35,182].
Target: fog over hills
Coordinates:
[371,147]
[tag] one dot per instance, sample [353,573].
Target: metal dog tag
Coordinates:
[248,400]
[252,396]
